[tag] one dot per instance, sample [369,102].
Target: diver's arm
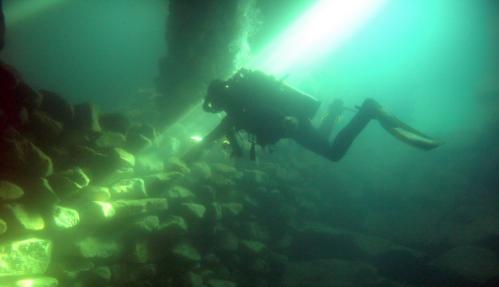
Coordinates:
[219,131]
[237,151]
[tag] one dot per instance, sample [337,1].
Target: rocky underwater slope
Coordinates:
[79,208]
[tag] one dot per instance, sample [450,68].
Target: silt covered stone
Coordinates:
[26,217]
[122,158]
[96,212]
[92,247]
[220,283]
[173,225]
[3,226]
[253,247]
[95,193]
[38,282]
[186,253]
[232,209]
[65,217]
[70,182]
[43,126]
[178,194]
[133,188]
[10,191]
[146,224]
[193,210]
[39,191]
[25,257]
[114,122]
[132,207]
[19,154]
[110,139]
[57,106]
[86,118]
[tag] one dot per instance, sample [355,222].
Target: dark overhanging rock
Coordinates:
[199,36]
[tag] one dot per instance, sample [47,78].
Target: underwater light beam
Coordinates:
[23,10]
[321,29]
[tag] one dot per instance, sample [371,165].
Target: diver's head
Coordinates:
[2,26]
[216,96]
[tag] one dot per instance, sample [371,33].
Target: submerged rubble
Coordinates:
[80,207]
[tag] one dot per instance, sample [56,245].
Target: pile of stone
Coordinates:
[77,209]
[81,206]
[66,178]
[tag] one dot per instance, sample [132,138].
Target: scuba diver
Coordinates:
[269,110]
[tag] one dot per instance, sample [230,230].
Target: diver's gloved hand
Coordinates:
[397,128]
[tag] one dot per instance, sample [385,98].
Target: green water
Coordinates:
[434,64]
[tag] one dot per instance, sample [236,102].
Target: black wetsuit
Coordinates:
[270,110]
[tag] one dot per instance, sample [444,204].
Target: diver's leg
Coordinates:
[310,138]
[370,109]
[329,121]
[347,135]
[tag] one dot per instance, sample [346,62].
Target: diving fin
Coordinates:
[404,132]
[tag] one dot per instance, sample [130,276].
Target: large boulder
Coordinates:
[252,247]
[191,279]
[38,282]
[96,212]
[44,127]
[86,118]
[123,158]
[140,252]
[57,107]
[136,142]
[64,217]
[38,191]
[178,194]
[19,154]
[10,191]
[317,241]
[186,253]
[474,263]
[26,217]
[331,272]
[201,170]
[95,193]
[232,209]
[114,122]
[140,137]
[68,183]
[145,224]
[3,226]
[92,247]
[25,257]
[110,140]
[193,211]
[160,183]
[133,188]
[226,240]
[173,226]
[220,283]
[132,207]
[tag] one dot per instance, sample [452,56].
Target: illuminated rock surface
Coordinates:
[185,252]
[133,188]
[25,257]
[38,282]
[91,247]
[28,218]
[65,217]
[10,191]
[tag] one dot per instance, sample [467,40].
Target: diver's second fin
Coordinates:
[404,132]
